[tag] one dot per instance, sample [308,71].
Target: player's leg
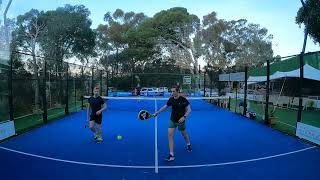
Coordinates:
[171,130]
[170,139]
[99,128]
[182,129]
[92,128]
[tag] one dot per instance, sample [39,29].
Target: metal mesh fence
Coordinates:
[4,92]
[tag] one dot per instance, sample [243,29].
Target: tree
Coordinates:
[113,37]
[67,33]
[229,43]
[277,58]
[215,45]
[29,30]
[310,17]
[175,27]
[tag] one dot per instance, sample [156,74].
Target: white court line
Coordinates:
[287,124]
[76,162]
[156,164]
[161,167]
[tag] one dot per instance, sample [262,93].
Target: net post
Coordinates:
[245,91]
[44,94]
[66,110]
[82,87]
[266,112]
[229,103]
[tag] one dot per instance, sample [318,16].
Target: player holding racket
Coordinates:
[97,106]
[180,111]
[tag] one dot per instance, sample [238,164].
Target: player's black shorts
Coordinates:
[96,118]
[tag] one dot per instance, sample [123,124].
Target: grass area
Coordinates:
[286,118]
[28,122]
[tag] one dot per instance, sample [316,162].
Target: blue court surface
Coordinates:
[225,146]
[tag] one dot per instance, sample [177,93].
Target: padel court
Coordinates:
[225,146]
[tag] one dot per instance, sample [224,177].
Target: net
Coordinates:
[151,103]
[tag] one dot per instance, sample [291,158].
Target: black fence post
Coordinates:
[235,107]
[107,84]
[75,93]
[204,84]
[245,91]
[92,86]
[101,82]
[199,73]
[266,112]
[301,60]
[44,94]
[67,92]
[219,83]
[211,80]
[82,87]
[11,111]
[229,103]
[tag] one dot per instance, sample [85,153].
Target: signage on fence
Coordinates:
[7,129]
[186,79]
[308,132]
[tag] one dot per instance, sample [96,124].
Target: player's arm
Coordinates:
[160,110]
[188,111]
[103,107]
[88,109]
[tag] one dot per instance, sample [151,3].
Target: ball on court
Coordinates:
[119,137]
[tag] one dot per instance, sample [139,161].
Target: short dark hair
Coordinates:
[176,88]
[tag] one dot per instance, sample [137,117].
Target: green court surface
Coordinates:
[286,118]
[28,122]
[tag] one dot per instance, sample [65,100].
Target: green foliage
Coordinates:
[67,32]
[310,17]
[234,42]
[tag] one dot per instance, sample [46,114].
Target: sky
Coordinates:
[278,16]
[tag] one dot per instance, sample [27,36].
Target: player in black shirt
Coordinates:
[180,111]
[97,106]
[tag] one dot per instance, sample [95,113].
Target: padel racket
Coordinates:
[144,115]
